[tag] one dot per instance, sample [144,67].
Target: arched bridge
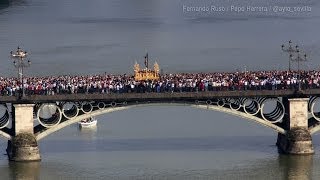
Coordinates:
[294,115]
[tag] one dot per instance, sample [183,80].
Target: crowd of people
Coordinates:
[180,82]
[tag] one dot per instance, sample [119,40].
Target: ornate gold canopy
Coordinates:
[146,73]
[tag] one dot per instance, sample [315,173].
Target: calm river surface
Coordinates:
[158,142]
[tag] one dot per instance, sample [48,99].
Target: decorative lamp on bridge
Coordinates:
[146,73]
[19,62]
[290,49]
[299,58]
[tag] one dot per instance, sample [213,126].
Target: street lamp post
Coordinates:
[245,71]
[299,59]
[19,62]
[290,49]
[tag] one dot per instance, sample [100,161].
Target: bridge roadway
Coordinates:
[160,96]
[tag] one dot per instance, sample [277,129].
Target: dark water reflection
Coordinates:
[7,3]
[4,4]
[24,171]
[296,167]
[283,167]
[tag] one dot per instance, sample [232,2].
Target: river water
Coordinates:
[159,142]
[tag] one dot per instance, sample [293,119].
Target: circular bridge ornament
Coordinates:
[208,102]
[276,115]
[101,105]
[235,104]
[4,116]
[251,106]
[113,104]
[221,102]
[86,107]
[311,101]
[49,115]
[315,105]
[70,110]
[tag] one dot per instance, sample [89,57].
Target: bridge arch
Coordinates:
[314,129]
[47,131]
[5,135]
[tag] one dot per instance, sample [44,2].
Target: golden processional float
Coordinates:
[146,73]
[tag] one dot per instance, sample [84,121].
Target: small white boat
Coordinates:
[86,123]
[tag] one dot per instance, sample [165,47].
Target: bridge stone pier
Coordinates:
[294,116]
[23,146]
[298,139]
